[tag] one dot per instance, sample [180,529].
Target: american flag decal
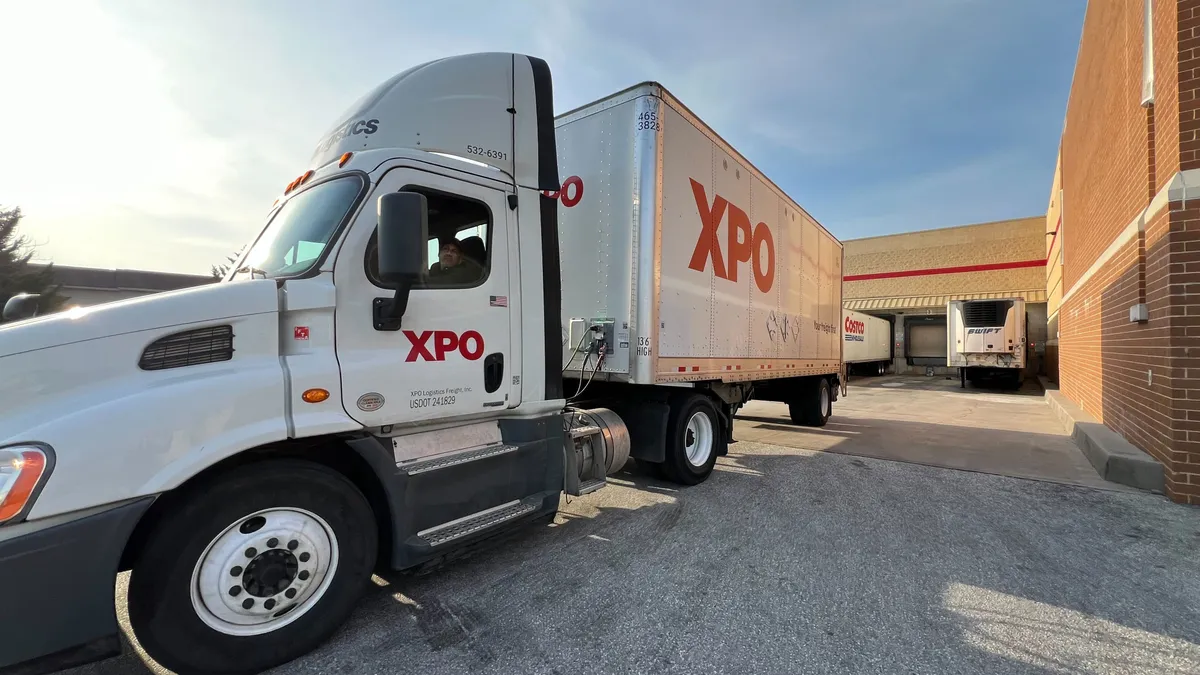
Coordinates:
[499,300]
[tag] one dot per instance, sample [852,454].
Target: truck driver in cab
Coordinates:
[454,266]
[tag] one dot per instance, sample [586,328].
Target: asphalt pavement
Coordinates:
[794,561]
[928,420]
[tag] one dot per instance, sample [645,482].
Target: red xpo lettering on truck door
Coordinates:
[469,345]
[741,244]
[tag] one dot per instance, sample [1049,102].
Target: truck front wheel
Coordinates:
[694,439]
[253,569]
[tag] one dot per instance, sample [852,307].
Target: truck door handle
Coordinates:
[493,372]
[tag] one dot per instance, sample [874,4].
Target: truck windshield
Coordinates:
[295,238]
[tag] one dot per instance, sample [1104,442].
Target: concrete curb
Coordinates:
[1113,457]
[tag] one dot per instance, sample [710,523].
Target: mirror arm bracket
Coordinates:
[387,313]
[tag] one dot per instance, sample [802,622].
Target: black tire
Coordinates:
[677,467]
[806,409]
[160,604]
[1015,380]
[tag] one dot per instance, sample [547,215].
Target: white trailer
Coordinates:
[986,339]
[693,265]
[251,450]
[867,343]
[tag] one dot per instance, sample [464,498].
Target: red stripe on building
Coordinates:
[947,270]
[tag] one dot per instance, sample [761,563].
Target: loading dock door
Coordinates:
[927,341]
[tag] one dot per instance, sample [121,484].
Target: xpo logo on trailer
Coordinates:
[741,243]
[570,194]
[855,330]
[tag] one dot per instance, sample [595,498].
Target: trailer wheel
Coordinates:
[694,440]
[253,569]
[814,406]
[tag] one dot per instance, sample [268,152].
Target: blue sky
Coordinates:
[155,134]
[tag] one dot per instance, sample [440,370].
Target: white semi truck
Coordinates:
[868,343]
[252,450]
[986,340]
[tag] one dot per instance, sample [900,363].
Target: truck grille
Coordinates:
[189,348]
[985,313]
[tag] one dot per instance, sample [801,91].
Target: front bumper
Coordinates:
[57,587]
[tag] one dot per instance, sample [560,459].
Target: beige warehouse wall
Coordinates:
[1053,237]
[1020,240]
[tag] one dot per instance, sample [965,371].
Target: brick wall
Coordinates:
[1186,82]
[1119,371]
[1104,174]
[1166,91]
[1173,272]
[1140,379]
[1018,240]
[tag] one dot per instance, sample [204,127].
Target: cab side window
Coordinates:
[459,242]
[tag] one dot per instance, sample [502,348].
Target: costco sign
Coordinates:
[855,330]
[741,243]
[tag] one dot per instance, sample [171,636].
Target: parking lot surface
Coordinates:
[930,420]
[794,561]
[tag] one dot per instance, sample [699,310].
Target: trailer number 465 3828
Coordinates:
[648,120]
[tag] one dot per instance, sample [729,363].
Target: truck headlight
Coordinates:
[23,469]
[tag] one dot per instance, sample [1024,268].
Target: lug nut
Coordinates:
[304,575]
[293,544]
[272,542]
[269,605]
[248,603]
[235,572]
[291,593]
[251,552]
[235,591]
[304,557]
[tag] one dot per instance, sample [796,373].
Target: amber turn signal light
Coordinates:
[314,395]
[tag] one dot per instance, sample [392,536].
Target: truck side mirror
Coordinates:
[402,234]
[21,306]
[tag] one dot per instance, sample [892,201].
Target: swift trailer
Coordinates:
[986,340]
[867,343]
[430,341]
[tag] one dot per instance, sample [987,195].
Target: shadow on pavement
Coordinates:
[789,560]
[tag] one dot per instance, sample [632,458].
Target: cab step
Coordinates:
[476,522]
[587,487]
[452,459]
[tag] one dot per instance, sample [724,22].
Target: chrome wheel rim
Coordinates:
[264,571]
[698,439]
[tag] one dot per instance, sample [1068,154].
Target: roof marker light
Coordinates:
[345,158]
